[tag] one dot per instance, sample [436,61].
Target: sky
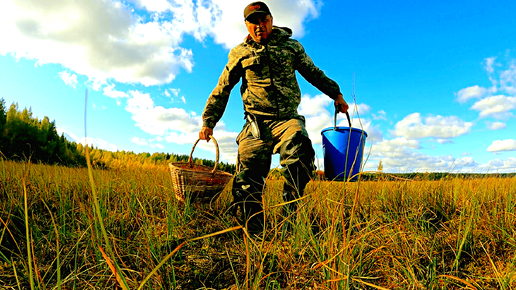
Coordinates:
[432,83]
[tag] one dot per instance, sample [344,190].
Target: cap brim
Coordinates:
[256,12]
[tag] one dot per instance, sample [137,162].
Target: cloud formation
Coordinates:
[402,155]
[474,92]
[138,42]
[508,79]
[498,107]
[502,145]
[157,120]
[415,127]
[69,79]
[176,126]
[99,39]
[496,125]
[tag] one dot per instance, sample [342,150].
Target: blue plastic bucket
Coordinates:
[343,148]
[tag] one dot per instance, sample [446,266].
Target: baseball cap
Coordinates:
[256,7]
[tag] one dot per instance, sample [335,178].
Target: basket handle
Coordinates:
[190,159]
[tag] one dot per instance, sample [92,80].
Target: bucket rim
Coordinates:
[342,128]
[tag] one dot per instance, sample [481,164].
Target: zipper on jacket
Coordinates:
[272,81]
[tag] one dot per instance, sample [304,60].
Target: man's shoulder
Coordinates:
[290,44]
[237,48]
[294,42]
[239,51]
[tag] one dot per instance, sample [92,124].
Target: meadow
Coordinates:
[70,228]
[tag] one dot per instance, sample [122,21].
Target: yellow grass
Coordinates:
[447,234]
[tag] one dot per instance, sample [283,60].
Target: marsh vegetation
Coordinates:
[123,228]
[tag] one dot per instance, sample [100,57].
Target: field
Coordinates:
[446,234]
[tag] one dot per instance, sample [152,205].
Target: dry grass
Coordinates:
[449,234]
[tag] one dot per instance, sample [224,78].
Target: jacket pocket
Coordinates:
[245,133]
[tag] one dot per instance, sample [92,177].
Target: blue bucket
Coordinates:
[343,149]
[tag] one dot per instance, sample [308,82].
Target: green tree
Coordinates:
[3,117]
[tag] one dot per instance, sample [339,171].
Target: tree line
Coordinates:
[24,137]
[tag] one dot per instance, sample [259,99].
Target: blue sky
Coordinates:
[434,81]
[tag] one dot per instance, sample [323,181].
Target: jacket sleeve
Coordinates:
[305,66]
[218,99]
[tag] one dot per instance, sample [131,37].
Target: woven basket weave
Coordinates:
[199,181]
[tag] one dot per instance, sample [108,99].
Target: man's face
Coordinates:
[259,26]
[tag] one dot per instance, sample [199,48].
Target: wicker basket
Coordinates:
[201,182]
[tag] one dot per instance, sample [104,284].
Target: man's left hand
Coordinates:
[341,103]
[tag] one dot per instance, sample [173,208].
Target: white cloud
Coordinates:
[502,145]
[489,63]
[110,91]
[393,144]
[174,95]
[139,141]
[314,106]
[92,142]
[158,120]
[474,92]
[414,127]
[177,126]
[69,79]
[496,125]
[444,141]
[316,124]
[174,92]
[316,114]
[152,5]
[157,146]
[508,79]
[363,109]
[403,155]
[501,165]
[496,106]
[99,39]
[108,40]
[381,115]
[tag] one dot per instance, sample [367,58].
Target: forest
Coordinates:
[24,137]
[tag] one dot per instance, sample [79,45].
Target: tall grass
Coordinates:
[447,234]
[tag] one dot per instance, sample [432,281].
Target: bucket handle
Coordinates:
[337,110]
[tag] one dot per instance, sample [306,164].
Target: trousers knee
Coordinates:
[297,148]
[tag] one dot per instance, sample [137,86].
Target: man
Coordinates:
[266,62]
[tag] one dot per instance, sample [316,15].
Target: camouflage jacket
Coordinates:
[269,86]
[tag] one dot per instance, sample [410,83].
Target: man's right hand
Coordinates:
[205,133]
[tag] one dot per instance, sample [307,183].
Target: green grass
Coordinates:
[447,234]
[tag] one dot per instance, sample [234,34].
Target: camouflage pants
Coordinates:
[290,139]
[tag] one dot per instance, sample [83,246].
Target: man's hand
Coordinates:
[340,103]
[205,133]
